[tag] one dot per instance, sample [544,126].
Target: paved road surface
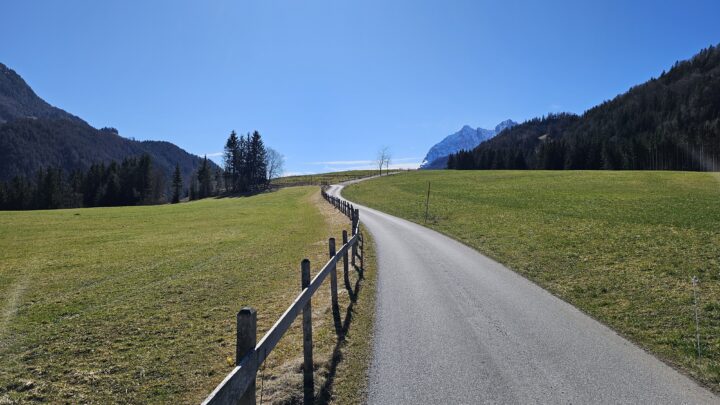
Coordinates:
[454,327]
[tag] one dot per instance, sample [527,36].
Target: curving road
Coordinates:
[454,327]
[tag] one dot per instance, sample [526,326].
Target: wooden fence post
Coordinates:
[333,289]
[245,342]
[362,256]
[355,219]
[333,274]
[308,380]
[345,261]
[354,222]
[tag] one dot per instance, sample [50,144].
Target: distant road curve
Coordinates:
[454,327]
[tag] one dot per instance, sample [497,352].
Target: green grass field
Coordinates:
[137,304]
[323,178]
[622,246]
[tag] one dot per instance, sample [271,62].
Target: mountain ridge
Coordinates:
[35,135]
[465,139]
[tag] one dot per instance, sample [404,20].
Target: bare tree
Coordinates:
[383,158]
[275,163]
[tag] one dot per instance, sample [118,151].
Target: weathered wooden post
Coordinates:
[354,222]
[345,262]
[245,341]
[355,219]
[333,289]
[362,256]
[308,380]
[333,274]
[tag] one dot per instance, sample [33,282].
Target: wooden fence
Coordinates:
[238,387]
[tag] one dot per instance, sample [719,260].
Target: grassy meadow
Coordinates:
[323,178]
[138,304]
[622,246]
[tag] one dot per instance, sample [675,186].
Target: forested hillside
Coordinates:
[18,100]
[668,123]
[36,136]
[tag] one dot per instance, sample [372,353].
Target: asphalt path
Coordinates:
[455,327]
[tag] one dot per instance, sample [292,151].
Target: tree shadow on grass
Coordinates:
[245,194]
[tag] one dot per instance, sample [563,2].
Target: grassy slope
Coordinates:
[622,246]
[137,304]
[323,178]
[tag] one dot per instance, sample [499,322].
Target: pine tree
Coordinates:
[193,192]
[451,162]
[176,185]
[258,173]
[204,177]
[144,179]
[219,186]
[232,160]
[244,162]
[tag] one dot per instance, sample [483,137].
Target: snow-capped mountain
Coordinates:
[466,138]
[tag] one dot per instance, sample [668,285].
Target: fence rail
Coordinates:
[238,387]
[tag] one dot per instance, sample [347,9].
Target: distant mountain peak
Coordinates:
[466,138]
[505,125]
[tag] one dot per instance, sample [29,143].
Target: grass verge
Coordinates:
[622,246]
[350,385]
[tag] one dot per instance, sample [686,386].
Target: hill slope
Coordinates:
[668,123]
[35,135]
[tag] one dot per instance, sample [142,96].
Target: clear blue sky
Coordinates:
[332,81]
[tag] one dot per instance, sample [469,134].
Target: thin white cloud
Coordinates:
[372,166]
[288,174]
[344,162]
[215,154]
[361,162]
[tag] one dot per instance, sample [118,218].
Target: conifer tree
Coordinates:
[204,177]
[176,185]
[258,173]
[231,159]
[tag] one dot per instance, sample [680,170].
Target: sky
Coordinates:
[329,83]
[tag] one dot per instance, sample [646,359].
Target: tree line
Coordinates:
[248,167]
[134,181]
[668,123]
